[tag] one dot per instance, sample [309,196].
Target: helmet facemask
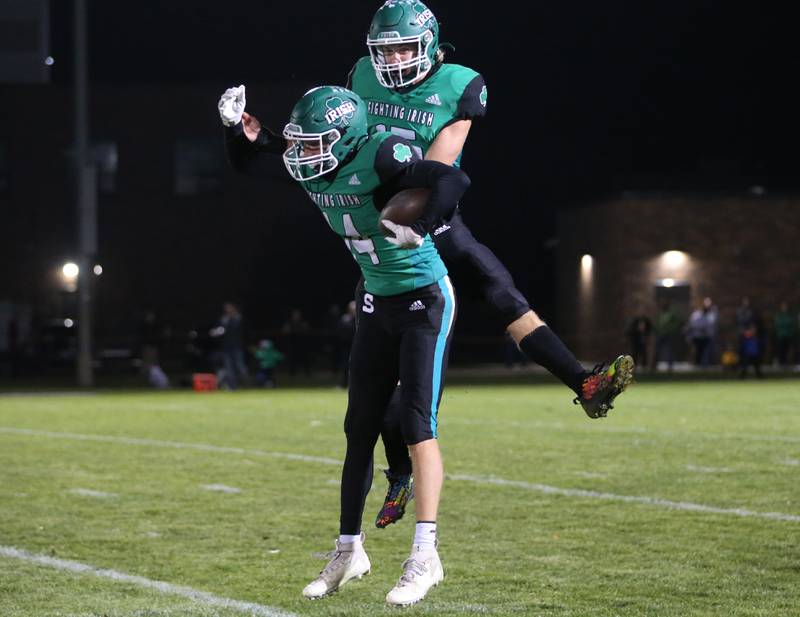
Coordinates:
[405,73]
[309,155]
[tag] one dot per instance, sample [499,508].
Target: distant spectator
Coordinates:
[295,331]
[750,333]
[750,352]
[667,328]
[785,327]
[151,338]
[701,331]
[345,331]
[638,332]
[745,316]
[712,319]
[267,358]
[231,332]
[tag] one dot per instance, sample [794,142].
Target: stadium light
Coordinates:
[98,269]
[674,259]
[68,323]
[70,271]
[587,273]
[69,276]
[668,282]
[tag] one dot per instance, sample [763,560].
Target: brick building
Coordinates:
[616,258]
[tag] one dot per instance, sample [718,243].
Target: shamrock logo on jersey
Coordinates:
[402,153]
[483,96]
[339,111]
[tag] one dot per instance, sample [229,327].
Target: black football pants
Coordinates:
[407,338]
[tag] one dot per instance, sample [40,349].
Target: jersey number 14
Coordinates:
[354,240]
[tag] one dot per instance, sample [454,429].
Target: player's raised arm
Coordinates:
[251,148]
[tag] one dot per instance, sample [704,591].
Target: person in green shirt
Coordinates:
[267,358]
[667,327]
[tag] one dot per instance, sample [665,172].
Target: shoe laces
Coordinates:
[594,381]
[411,569]
[339,559]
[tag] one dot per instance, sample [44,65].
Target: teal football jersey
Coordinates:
[451,92]
[347,203]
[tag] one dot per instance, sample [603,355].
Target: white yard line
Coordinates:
[200,597]
[132,441]
[597,427]
[701,469]
[87,492]
[650,501]
[543,488]
[221,488]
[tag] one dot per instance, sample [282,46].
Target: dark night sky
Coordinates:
[586,99]
[615,92]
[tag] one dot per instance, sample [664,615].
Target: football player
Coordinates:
[406,307]
[411,92]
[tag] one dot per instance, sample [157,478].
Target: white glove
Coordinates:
[404,237]
[231,105]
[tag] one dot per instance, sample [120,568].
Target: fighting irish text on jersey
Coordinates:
[347,204]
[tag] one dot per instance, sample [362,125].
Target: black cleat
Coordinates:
[401,489]
[603,385]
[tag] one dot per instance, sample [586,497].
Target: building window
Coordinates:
[107,161]
[198,166]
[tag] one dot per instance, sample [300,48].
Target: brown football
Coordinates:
[404,208]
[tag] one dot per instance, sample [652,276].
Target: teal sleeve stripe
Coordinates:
[441,344]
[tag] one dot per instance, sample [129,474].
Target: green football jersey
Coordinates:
[449,93]
[347,203]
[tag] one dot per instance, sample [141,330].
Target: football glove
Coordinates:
[404,236]
[231,106]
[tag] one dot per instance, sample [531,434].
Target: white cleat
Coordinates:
[349,561]
[421,571]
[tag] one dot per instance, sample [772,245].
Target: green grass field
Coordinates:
[683,502]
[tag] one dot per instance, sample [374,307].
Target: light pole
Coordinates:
[87,197]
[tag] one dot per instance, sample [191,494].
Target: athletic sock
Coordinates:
[546,349]
[345,539]
[425,536]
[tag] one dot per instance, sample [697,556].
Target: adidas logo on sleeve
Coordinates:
[433,99]
[417,305]
[354,181]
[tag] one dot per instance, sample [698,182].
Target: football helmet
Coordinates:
[326,125]
[402,22]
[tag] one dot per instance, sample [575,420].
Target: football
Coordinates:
[404,208]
